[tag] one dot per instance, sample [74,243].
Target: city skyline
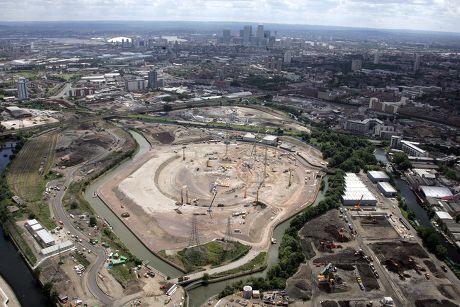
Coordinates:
[425,15]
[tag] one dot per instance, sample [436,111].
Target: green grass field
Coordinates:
[214,253]
[259,262]
[26,175]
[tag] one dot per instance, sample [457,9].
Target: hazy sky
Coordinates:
[437,15]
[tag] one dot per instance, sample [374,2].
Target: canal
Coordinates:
[412,203]
[13,269]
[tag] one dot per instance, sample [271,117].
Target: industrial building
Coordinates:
[270,140]
[356,192]
[436,192]
[442,216]
[378,176]
[249,137]
[387,189]
[18,112]
[43,237]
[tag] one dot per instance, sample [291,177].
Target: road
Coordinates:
[60,214]
[90,278]
[63,93]
[388,284]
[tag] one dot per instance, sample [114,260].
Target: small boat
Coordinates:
[273,241]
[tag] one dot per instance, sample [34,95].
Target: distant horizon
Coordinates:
[418,15]
[319,26]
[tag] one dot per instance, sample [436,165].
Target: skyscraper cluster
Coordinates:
[248,37]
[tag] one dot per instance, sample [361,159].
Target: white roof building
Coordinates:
[45,237]
[436,192]
[36,227]
[32,222]
[356,191]
[441,215]
[378,176]
[249,137]
[270,139]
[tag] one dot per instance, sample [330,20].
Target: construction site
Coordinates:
[184,194]
[367,258]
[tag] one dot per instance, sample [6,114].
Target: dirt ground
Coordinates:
[151,189]
[64,279]
[398,252]
[240,116]
[375,227]
[325,227]
[87,140]
[299,285]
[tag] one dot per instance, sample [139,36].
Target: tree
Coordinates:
[92,221]
[401,161]
[73,205]
[441,251]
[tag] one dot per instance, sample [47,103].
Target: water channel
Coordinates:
[411,201]
[13,269]
[197,295]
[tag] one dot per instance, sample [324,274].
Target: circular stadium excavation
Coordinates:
[177,196]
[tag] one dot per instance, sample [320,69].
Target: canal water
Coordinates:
[126,236]
[411,201]
[12,266]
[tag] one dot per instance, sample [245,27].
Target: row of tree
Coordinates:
[290,250]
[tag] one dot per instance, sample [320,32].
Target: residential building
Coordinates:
[152,80]
[365,126]
[356,64]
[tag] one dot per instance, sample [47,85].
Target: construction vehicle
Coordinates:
[342,234]
[358,204]
[328,245]
[327,276]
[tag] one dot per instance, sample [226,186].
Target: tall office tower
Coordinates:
[260,31]
[247,33]
[356,65]
[417,62]
[287,57]
[22,89]
[227,36]
[152,80]
[376,57]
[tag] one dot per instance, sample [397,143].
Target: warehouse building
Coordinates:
[387,189]
[270,140]
[436,192]
[44,238]
[442,216]
[378,176]
[28,224]
[356,191]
